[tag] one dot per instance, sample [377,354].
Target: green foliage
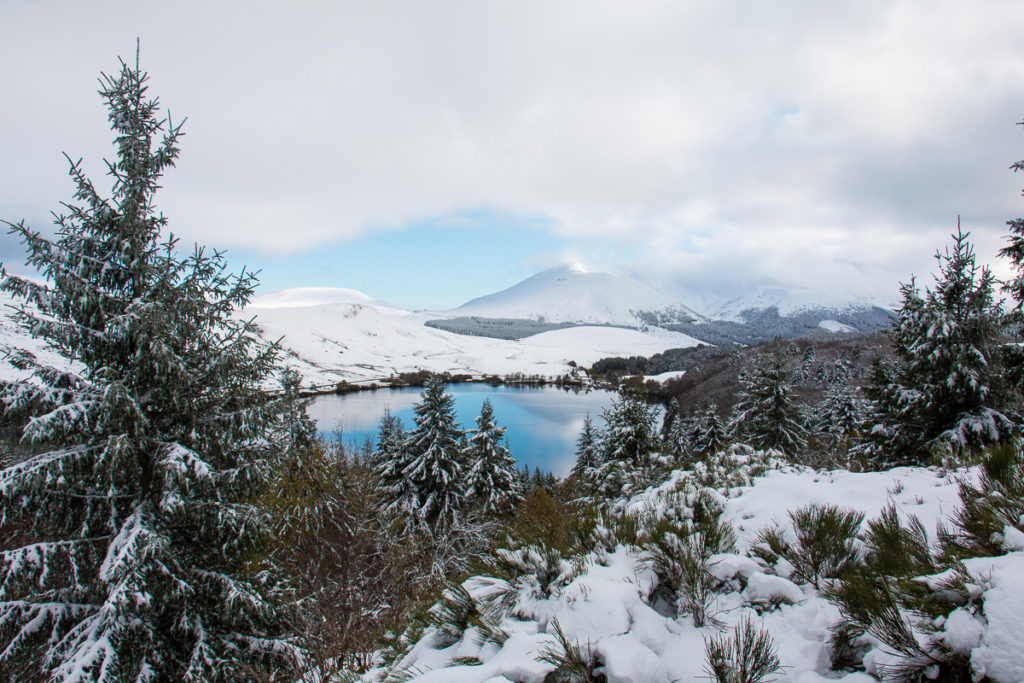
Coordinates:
[748,656]
[765,414]
[948,389]
[824,544]
[678,549]
[989,507]
[905,589]
[458,611]
[573,663]
[138,511]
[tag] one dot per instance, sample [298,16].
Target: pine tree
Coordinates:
[296,432]
[766,414]
[435,469]
[947,389]
[129,537]
[629,435]
[675,431]
[492,474]
[389,458]
[629,444]
[1014,251]
[843,411]
[710,434]
[588,452]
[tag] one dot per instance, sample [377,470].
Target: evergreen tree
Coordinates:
[129,538]
[766,414]
[843,411]
[629,444]
[675,428]
[710,434]
[629,435]
[492,473]
[435,469]
[588,453]
[389,456]
[947,388]
[296,432]
[1014,251]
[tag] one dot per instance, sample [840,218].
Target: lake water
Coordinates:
[542,423]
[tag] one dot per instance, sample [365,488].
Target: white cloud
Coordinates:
[790,139]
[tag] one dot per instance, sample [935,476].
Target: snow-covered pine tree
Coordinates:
[588,452]
[629,434]
[766,414]
[435,469]
[129,537]
[1014,251]
[296,431]
[629,444]
[389,457]
[947,389]
[674,431]
[843,411]
[710,433]
[492,479]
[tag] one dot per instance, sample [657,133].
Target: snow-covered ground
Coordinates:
[603,605]
[789,301]
[362,341]
[574,293]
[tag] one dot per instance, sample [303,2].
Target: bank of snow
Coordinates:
[360,341]
[603,603]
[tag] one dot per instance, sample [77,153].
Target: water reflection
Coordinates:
[543,422]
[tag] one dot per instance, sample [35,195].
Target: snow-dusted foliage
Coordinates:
[128,537]
[709,432]
[389,458]
[1014,251]
[948,389]
[766,414]
[492,478]
[630,441]
[842,411]
[588,452]
[432,484]
[296,431]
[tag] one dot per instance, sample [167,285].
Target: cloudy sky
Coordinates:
[430,152]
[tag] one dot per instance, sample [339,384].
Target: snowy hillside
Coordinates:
[789,302]
[572,293]
[602,607]
[360,341]
[300,297]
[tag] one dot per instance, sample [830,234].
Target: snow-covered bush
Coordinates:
[747,656]
[823,545]
[913,609]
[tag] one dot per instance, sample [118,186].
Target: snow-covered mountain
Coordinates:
[302,297]
[788,302]
[353,340]
[574,294]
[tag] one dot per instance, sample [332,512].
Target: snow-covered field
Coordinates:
[356,341]
[605,609]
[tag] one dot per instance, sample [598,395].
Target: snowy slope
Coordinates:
[572,293]
[359,341]
[602,604]
[300,297]
[789,302]
[13,337]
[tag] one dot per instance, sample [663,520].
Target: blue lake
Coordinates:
[542,423]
